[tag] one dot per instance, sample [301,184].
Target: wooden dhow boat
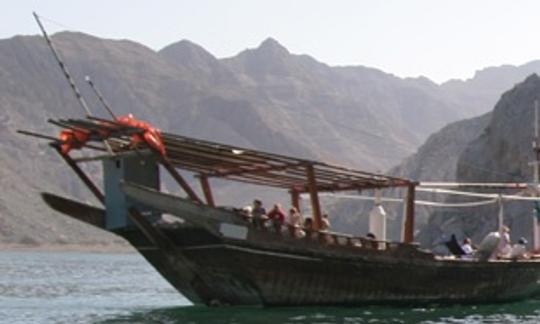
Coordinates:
[216,256]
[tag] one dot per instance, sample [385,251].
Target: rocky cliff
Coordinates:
[495,148]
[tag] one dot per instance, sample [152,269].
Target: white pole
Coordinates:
[535,143]
[536,230]
[501,214]
[377,217]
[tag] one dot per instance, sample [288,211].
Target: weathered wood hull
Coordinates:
[241,274]
[267,268]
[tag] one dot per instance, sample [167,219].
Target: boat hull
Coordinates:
[236,273]
[216,257]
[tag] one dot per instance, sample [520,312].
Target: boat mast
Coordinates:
[67,75]
[100,97]
[536,166]
[63,67]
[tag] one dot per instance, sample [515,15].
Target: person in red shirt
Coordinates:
[277,216]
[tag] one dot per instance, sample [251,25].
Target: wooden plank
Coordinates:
[144,152]
[83,212]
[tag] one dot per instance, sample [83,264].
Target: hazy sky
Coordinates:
[437,39]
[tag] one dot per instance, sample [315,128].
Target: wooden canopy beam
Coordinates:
[253,170]
[207,191]
[82,175]
[180,180]
[408,228]
[314,196]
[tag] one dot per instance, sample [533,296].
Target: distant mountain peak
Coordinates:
[186,51]
[272,46]
[532,78]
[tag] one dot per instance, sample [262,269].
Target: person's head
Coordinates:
[505,229]
[277,206]
[293,210]
[257,203]
[467,241]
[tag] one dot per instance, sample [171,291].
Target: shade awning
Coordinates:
[217,160]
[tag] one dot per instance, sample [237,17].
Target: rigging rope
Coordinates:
[417,202]
[476,194]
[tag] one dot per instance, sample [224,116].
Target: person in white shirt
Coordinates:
[325,223]
[295,222]
[505,246]
[519,250]
[467,246]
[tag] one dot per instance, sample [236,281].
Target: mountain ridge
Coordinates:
[291,104]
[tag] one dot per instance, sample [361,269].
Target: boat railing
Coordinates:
[336,239]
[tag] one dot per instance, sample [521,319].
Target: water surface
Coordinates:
[72,287]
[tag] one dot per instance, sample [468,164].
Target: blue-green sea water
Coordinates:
[69,287]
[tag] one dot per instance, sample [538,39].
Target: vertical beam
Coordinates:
[408,230]
[207,190]
[536,164]
[180,180]
[82,175]
[314,196]
[295,199]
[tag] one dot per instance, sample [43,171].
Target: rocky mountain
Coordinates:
[435,160]
[480,93]
[495,147]
[264,98]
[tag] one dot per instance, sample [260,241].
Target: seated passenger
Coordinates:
[308,224]
[467,246]
[277,216]
[488,247]
[505,247]
[308,227]
[245,212]
[295,221]
[259,214]
[325,223]
[519,250]
[371,236]
[372,241]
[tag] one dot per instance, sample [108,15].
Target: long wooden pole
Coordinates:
[100,97]
[408,234]
[314,196]
[82,175]
[63,67]
[68,77]
[207,191]
[180,180]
